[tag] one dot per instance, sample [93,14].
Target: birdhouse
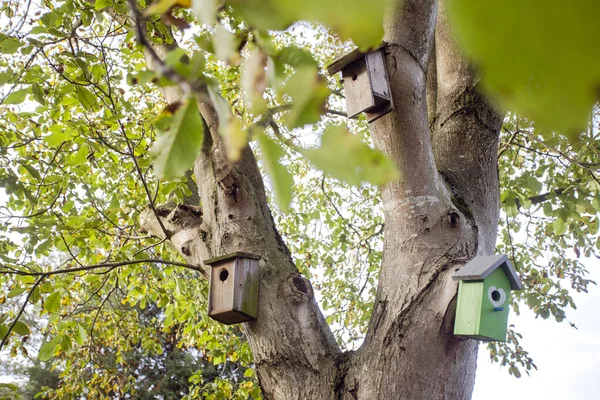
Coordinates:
[483,294]
[366,83]
[233,292]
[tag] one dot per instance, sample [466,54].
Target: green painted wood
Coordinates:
[493,324]
[468,308]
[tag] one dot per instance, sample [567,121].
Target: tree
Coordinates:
[79,174]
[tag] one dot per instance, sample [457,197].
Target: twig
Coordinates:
[105,265]
[10,328]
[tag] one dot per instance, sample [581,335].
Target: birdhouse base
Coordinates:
[379,112]
[229,317]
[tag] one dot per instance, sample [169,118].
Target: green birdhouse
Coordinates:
[483,294]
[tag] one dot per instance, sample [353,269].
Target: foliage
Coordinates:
[80,117]
[539,58]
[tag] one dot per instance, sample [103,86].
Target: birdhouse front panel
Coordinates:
[357,88]
[234,283]
[494,309]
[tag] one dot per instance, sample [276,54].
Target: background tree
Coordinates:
[86,135]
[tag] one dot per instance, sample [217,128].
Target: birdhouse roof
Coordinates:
[349,58]
[227,257]
[481,267]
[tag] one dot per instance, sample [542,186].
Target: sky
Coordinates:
[568,359]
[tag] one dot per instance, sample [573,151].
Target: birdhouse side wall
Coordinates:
[246,287]
[357,88]
[468,308]
[378,77]
[494,323]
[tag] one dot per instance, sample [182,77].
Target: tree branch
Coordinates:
[111,266]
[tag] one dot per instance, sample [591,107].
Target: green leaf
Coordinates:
[16,291]
[309,94]
[554,78]
[9,386]
[560,226]
[176,150]
[86,98]
[21,328]
[5,77]
[80,335]
[52,303]
[48,348]
[359,20]
[10,45]
[38,93]
[344,156]
[16,97]
[281,179]
[80,156]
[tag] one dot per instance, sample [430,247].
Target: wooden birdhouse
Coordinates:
[483,294]
[233,292]
[366,84]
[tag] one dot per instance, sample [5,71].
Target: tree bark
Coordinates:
[440,213]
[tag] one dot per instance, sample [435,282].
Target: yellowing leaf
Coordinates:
[537,57]
[163,6]
[254,82]
[176,150]
[345,157]
[235,138]
[281,179]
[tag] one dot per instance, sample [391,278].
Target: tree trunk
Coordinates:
[440,213]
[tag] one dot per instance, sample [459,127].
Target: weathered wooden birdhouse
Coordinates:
[483,294]
[233,293]
[366,84]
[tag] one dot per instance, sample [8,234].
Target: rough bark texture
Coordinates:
[440,213]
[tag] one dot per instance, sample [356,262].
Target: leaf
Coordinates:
[80,156]
[16,97]
[47,350]
[80,335]
[52,302]
[86,98]
[344,156]
[38,93]
[176,150]
[309,94]
[9,386]
[21,329]
[560,226]
[206,10]
[15,292]
[281,178]
[554,78]
[359,20]
[254,82]
[10,45]
[235,137]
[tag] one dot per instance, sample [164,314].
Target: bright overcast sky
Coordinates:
[568,360]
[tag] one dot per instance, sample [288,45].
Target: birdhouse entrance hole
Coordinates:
[495,294]
[224,274]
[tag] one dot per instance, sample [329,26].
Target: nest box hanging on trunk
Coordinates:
[483,294]
[233,292]
[366,84]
